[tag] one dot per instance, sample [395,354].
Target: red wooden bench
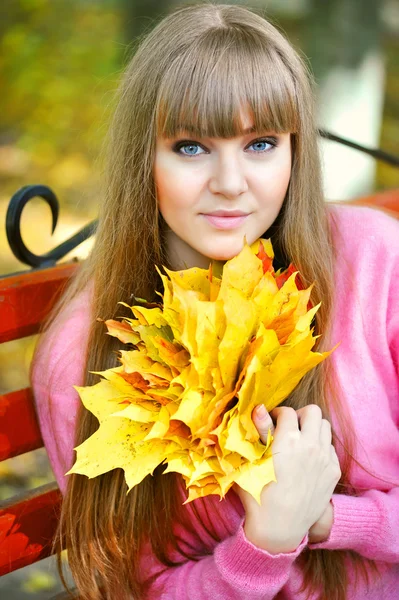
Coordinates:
[28,522]
[387,201]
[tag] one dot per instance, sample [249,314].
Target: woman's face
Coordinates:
[244,179]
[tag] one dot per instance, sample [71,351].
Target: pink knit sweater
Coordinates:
[366,322]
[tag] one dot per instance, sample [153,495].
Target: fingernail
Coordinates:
[260,411]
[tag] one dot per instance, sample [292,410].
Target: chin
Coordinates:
[226,252]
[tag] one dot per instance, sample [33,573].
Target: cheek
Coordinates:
[275,182]
[177,187]
[163,185]
[284,178]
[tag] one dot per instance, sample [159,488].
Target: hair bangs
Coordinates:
[227,74]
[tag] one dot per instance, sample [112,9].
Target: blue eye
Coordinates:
[263,145]
[190,148]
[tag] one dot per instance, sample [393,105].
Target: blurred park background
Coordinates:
[60,62]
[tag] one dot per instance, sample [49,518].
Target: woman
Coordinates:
[216,113]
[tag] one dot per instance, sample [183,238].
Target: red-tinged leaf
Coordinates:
[267,262]
[178,428]
[156,398]
[283,325]
[206,442]
[144,381]
[173,355]
[285,275]
[122,331]
[282,278]
[175,371]
[136,380]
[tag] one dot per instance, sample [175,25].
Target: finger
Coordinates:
[335,460]
[238,490]
[285,419]
[310,418]
[325,435]
[263,422]
[247,500]
[334,454]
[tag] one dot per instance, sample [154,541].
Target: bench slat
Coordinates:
[387,201]
[27,527]
[19,429]
[27,298]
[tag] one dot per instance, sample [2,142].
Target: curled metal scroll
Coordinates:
[13,228]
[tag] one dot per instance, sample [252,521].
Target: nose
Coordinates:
[228,177]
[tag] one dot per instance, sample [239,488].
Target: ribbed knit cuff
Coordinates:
[250,568]
[356,523]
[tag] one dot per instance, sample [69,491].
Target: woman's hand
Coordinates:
[307,471]
[320,531]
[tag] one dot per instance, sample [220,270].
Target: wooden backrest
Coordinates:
[27,522]
[387,201]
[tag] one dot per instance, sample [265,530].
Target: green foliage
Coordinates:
[387,176]
[59,60]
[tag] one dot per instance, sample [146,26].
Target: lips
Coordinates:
[226,213]
[221,221]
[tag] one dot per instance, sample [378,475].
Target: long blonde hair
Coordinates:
[197,68]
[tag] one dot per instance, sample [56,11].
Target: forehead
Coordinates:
[247,120]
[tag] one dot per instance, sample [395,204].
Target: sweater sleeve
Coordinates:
[237,569]
[367,524]
[393,317]
[57,366]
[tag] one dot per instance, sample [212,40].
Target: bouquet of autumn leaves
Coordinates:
[194,369]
